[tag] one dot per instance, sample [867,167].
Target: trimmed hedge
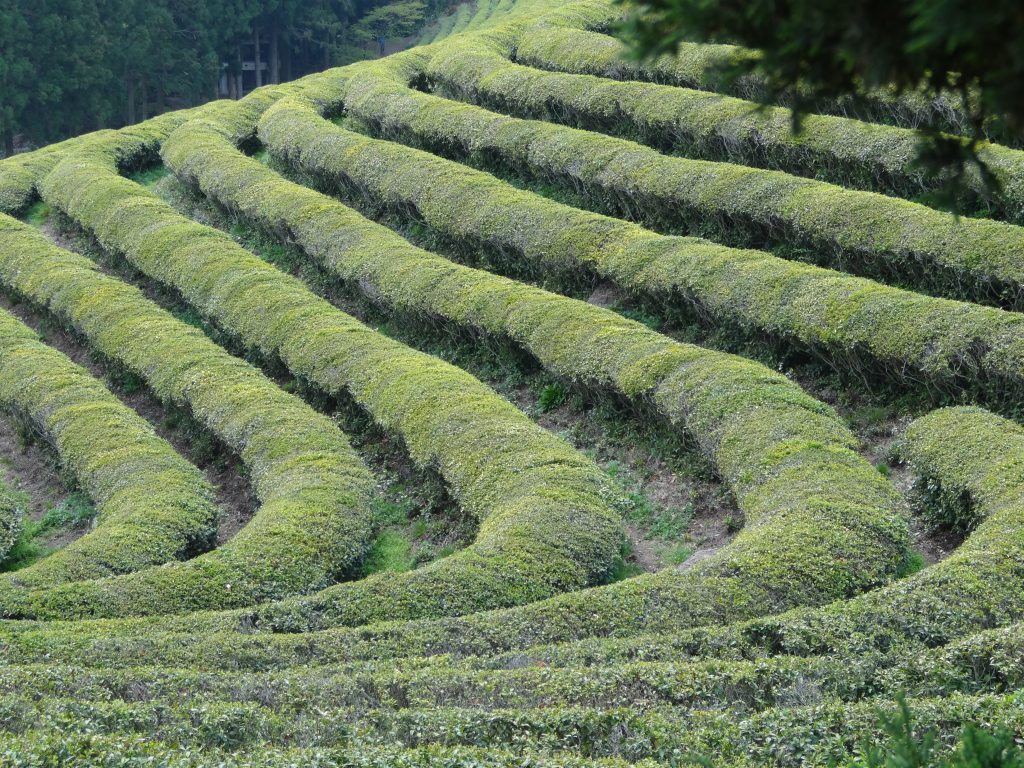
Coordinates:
[744,686]
[772,444]
[53,749]
[824,734]
[960,452]
[972,467]
[708,126]
[153,505]
[484,9]
[487,13]
[313,524]
[648,671]
[444,28]
[583,46]
[546,524]
[539,623]
[741,685]
[20,173]
[892,332]
[862,231]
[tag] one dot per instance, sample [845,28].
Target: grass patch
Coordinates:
[37,214]
[915,562]
[148,177]
[668,524]
[550,397]
[390,552]
[75,511]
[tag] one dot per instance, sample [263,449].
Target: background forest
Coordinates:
[72,66]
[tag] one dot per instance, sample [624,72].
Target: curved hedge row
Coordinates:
[893,332]
[708,126]
[446,24]
[644,672]
[20,173]
[742,685]
[313,523]
[864,231]
[771,443]
[546,524]
[972,468]
[56,749]
[572,40]
[962,453]
[487,13]
[153,505]
[484,10]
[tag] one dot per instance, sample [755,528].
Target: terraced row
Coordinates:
[584,46]
[704,125]
[313,522]
[860,231]
[118,460]
[466,17]
[274,708]
[961,453]
[19,174]
[545,520]
[771,443]
[664,736]
[778,650]
[860,324]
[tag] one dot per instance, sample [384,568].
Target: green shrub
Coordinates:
[12,518]
[545,522]
[313,523]
[742,414]
[155,507]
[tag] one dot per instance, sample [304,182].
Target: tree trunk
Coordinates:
[131,100]
[144,92]
[8,143]
[239,90]
[275,54]
[161,93]
[256,56]
[288,61]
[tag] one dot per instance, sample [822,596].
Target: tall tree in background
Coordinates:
[812,50]
[15,72]
[71,66]
[67,52]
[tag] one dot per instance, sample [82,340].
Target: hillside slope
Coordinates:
[347,278]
